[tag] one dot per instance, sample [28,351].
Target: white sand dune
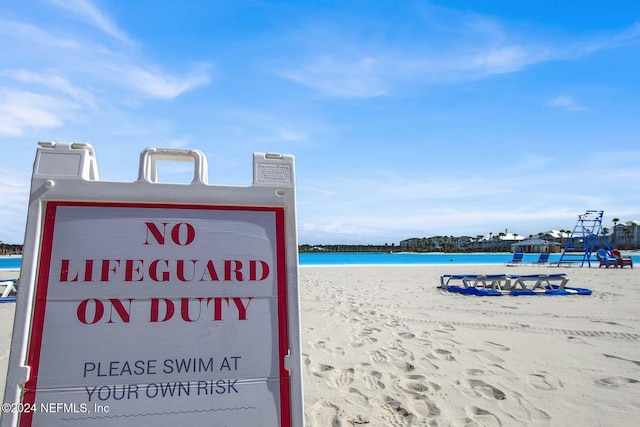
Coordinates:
[382,346]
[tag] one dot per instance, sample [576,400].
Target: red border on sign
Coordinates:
[44,265]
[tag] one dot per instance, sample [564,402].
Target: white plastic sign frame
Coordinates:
[156,304]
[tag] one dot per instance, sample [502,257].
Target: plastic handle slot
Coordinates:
[149,158]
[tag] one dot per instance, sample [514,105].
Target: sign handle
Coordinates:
[148,171]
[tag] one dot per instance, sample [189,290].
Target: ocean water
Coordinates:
[12,262]
[379,258]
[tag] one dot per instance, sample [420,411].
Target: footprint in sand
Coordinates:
[377,356]
[333,377]
[326,347]
[404,366]
[442,354]
[396,415]
[520,409]
[342,377]
[320,369]
[416,385]
[543,382]
[394,323]
[325,414]
[368,331]
[361,342]
[399,353]
[373,382]
[481,417]
[612,382]
[425,408]
[482,388]
[406,335]
[356,397]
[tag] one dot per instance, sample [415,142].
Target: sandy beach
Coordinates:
[382,346]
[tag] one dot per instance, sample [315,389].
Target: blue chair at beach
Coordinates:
[606,259]
[518,257]
[544,258]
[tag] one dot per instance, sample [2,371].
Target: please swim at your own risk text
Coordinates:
[151,367]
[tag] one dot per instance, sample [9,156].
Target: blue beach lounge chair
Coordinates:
[509,284]
[544,281]
[544,258]
[606,259]
[480,281]
[517,258]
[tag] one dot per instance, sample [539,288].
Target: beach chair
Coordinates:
[543,258]
[482,281]
[511,284]
[543,281]
[622,261]
[518,257]
[606,259]
[9,291]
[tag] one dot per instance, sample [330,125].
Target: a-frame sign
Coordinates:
[156,304]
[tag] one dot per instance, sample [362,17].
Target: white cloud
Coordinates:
[60,72]
[351,78]
[21,111]
[475,48]
[505,59]
[90,14]
[366,77]
[52,81]
[373,207]
[103,66]
[566,102]
[158,84]
[35,36]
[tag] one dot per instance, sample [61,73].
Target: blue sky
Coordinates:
[406,118]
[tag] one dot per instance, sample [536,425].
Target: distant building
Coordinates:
[536,246]
[626,235]
[558,236]
[500,242]
[411,244]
